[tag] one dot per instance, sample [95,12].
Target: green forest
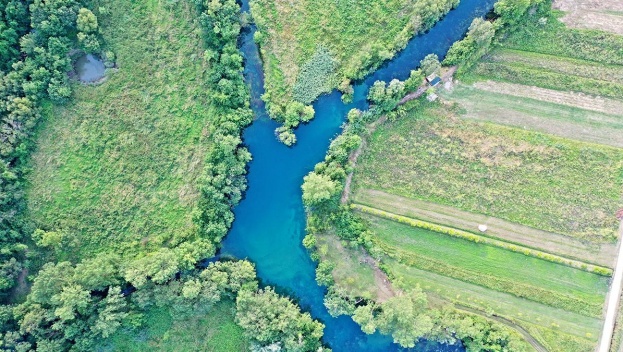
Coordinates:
[116,193]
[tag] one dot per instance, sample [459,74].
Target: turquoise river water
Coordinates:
[270,221]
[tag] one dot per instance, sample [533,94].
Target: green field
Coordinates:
[541,181]
[561,326]
[215,331]
[313,46]
[556,113]
[116,168]
[490,261]
[589,45]
[474,267]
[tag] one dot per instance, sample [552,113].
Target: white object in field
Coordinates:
[482,228]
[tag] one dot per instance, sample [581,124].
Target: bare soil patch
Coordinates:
[605,15]
[603,254]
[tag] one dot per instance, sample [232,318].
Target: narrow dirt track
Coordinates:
[614,295]
[531,340]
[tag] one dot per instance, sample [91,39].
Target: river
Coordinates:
[270,220]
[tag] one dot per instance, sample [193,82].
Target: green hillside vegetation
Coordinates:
[117,168]
[214,331]
[428,153]
[530,178]
[310,47]
[155,147]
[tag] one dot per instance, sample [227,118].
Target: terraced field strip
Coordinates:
[605,15]
[517,309]
[531,75]
[525,107]
[569,66]
[495,268]
[500,229]
[554,72]
[484,240]
[611,108]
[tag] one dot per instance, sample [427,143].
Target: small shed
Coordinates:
[435,81]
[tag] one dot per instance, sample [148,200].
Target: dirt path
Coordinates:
[526,335]
[352,159]
[497,228]
[385,289]
[612,299]
[373,126]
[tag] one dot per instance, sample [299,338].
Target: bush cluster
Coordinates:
[35,40]
[315,77]
[224,181]
[75,307]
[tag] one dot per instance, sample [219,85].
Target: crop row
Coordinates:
[484,240]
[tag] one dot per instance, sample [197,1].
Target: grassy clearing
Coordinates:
[528,108]
[358,35]
[115,169]
[214,332]
[490,261]
[558,325]
[564,65]
[350,272]
[541,181]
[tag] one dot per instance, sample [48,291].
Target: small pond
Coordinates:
[90,68]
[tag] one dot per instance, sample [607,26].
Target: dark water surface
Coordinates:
[89,68]
[270,221]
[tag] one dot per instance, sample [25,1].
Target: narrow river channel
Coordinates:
[270,221]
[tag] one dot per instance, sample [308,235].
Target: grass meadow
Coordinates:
[335,40]
[115,169]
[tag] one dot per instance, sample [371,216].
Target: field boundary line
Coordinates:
[446,230]
[612,300]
